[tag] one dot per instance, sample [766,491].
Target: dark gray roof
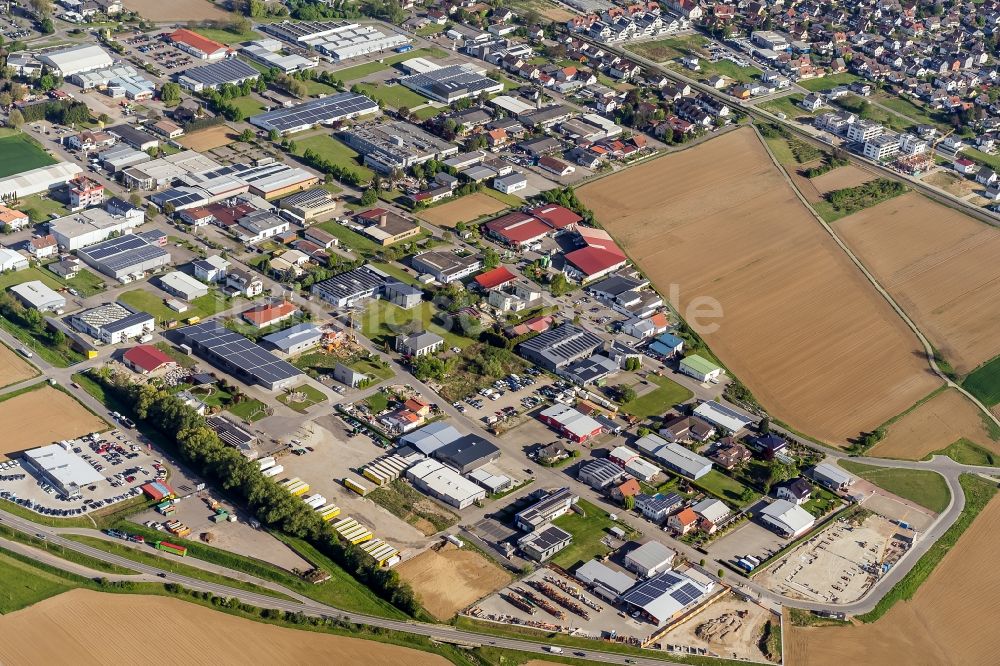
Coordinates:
[215,74]
[466,450]
[562,344]
[323,110]
[349,284]
[239,352]
[127,322]
[120,253]
[615,285]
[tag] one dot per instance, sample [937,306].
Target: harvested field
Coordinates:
[210,138]
[940,267]
[739,236]
[466,209]
[28,419]
[178,10]
[86,627]
[721,629]
[13,368]
[952,618]
[449,579]
[939,422]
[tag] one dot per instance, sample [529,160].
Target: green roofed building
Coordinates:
[700,368]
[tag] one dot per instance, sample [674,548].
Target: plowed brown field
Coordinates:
[13,368]
[466,209]
[934,425]
[819,348]
[182,11]
[450,579]
[85,627]
[951,620]
[850,175]
[940,266]
[41,417]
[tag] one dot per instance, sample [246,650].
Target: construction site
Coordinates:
[839,564]
[729,627]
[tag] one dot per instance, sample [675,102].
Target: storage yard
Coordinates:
[730,627]
[940,267]
[94,627]
[466,209]
[838,565]
[13,368]
[937,423]
[950,620]
[787,339]
[448,579]
[28,419]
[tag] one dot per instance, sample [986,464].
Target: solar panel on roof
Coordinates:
[224,71]
[240,352]
[323,110]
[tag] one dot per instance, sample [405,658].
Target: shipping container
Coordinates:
[752,560]
[171,548]
[273,471]
[264,463]
[355,486]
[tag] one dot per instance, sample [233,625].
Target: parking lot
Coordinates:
[165,57]
[506,400]
[750,539]
[124,463]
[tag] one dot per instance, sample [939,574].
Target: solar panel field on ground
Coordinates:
[240,352]
[328,109]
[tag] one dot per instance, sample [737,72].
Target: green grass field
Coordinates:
[587,533]
[349,74]
[21,153]
[829,81]
[22,585]
[350,239]
[382,320]
[312,395]
[86,283]
[153,304]
[396,272]
[666,394]
[227,37]
[316,88]
[787,105]
[966,452]
[371,369]
[40,208]
[429,112]
[726,488]
[662,50]
[395,96]
[250,106]
[992,161]
[984,382]
[334,151]
[926,488]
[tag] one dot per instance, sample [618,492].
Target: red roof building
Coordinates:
[556,216]
[495,278]
[198,46]
[145,359]
[269,313]
[517,229]
[599,256]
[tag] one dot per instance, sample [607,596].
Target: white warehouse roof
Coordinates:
[77,59]
[787,516]
[444,481]
[722,416]
[63,465]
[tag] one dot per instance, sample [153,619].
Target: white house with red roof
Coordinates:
[495,278]
[145,359]
[269,314]
[517,230]
[965,166]
[43,246]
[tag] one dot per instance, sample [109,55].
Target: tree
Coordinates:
[41,7]
[15,119]
[632,364]
[151,212]
[629,502]
[491,258]
[273,135]
[721,573]
[5,100]
[764,427]
[369,197]
[559,285]
[247,136]
[135,199]
[626,393]
[170,92]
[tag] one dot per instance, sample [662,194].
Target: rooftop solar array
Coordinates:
[239,352]
[679,588]
[450,80]
[215,74]
[326,110]
[120,253]
[563,343]
[349,284]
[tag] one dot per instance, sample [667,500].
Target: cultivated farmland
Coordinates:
[91,627]
[801,326]
[950,620]
[941,268]
[466,209]
[449,579]
[43,416]
[13,368]
[934,425]
[210,138]
[178,10]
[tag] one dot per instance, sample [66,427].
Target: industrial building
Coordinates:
[517,230]
[271,54]
[722,417]
[12,260]
[234,435]
[600,474]
[430,438]
[348,288]
[401,294]
[444,483]
[667,596]
[232,353]
[120,156]
[605,582]
[649,559]
[569,422]
[451,83]
[36,294]
[324,111]
[467,453]
[125,258]
[337,40]
[165,170]
[683,461]
[216,74]
[558,347]
[396,145]
[118,81]
[700,368]
[183,286]
[348,376]
[86,227]
[548,506]
[134,136]
[832,477]
[75,59]
[787,518]
[39,180]
[113,323]
[145,359]
[63,469]
[309,204]
[200,47]
[295,339]
[544,543]
[446,266]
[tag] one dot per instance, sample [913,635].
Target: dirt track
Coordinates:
[448,580]
[13,368]
[41,417]
[818,347]
[952,619]
[182,11]
[83,627]
[939,422]
[466,209]
[940,266]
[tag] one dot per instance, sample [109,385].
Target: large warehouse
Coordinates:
[90,226]
[337,40]
[444,483]
[125,258]
[667,595]
[231,352]
[558,347]
[38,180]
[325,111]
[452,83]
[36,294]
[76,59]
[59,466]
[396,145]
[211,76]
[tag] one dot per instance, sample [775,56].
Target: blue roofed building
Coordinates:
[294,339]
[666,345]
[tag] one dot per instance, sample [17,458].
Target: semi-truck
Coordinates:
[173,548]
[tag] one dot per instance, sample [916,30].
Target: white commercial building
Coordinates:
[113,323]
[59,466]
[11,260]
[268,52]
[183,285]
[787,518]
[832,477]
[882,147]
[722,416]
[444,483]
[76,59]
[38,180]
[649,558]
[91,226]
[38,295]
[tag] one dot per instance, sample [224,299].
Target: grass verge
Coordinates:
[926,488]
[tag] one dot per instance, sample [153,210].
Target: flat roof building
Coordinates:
[467,453]
[452,83]
[571,423]
[548,506]
[309,204]
[544,543]
[348,288]
[125,258]
[600,474]
[216,74]
[36,294]
[722,416]
[113,323]
[62,468]
[324,111]
[231,352]
[271,54]
[444,483]
[446,266]
[396,145]
[90,226]
[558,347]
